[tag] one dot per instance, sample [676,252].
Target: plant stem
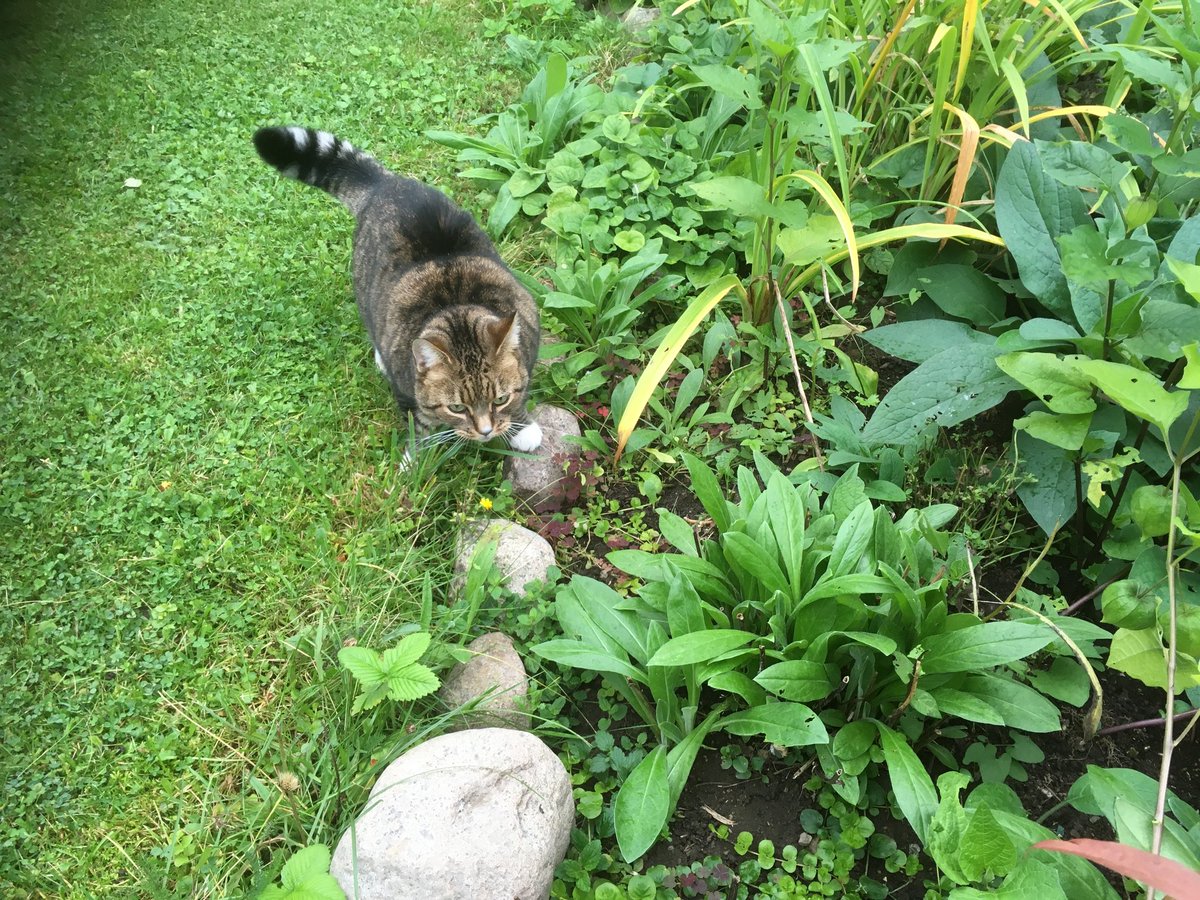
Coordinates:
[787,333]
[1093,593]
[1106,347]
[1164,772]
[1148,723]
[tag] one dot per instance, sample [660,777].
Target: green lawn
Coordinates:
[198,496]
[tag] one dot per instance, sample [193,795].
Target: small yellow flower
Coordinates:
[485,502]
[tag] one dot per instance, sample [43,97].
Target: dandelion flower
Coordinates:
[485,502]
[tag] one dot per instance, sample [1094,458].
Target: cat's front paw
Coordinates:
[528,438]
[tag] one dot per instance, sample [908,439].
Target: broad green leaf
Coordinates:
[1049,495]
[852,540]
[704,576]
[1020,705]
[964,292]
[1056,382]
[820,236]
[915,794]
[847,584]
[762,567]
[947,825]
[616,128]
[306,877]
[1068,877]
[556,75]
[1065,681]
[1128,604]
[677,532]
[747,199]
[304,864]
[629,240]
[854,739]
[741,684]
[1136,391]
[965,705]
[786,724]
[982,646]
[920,339]
[786,512]
[524,182]
[948,388]
[1065,431]
[1140,654]
[1166,328]
[685,611]
[708,492]
[700,646]
[986,847]
[624,627]
[741,87]
[1032,211]
[364,664]
[579,656]
[642,805]
[801,681]
[683,755]
[408,650]
[411,682]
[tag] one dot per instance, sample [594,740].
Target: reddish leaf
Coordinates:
[1156,872]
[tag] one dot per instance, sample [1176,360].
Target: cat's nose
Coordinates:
[484,427]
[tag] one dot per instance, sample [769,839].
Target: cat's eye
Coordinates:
[501,400]
[456,408]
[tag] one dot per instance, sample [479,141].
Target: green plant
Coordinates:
[793,601]
[306,876]
[1128,800]
[985,841]
[597,302]
[394,674]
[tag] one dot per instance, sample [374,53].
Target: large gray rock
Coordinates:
[485,813]
[535,476]
[494,673]
[522,556]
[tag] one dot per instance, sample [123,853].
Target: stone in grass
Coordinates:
[494,673]
[480,813]
[639,19]
[522,556]
[535,476]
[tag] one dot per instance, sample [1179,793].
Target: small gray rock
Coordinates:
[535,476]
[485,813]
[638,18]
[496,671]
[522,556]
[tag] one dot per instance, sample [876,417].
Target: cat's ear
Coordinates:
[429,352]
[504,333]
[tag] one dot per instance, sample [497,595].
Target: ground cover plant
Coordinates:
[785,249]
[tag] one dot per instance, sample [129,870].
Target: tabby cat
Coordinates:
[454,332]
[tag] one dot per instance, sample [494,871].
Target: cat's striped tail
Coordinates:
[322,160]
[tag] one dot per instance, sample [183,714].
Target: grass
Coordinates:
[198,496]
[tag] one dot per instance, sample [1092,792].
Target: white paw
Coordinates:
[528,438]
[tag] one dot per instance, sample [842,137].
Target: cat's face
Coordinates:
[472,379]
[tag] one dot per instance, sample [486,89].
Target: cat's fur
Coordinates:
[453,330]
